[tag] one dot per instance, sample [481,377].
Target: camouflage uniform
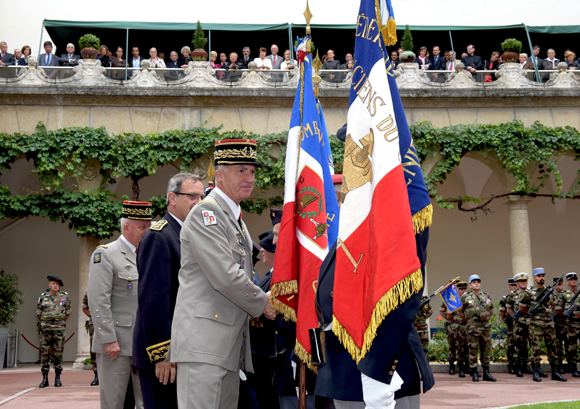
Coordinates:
[91,330]
[53,310]
[559,326]
[572,326]
[510,337]
[521,329]
[456,332]
[420,323]
[478,310]
[541,326]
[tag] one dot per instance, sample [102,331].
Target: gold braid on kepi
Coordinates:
[137,210]
[236,152]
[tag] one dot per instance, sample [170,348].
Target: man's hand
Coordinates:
[165,371]
[269,311]
[112,349]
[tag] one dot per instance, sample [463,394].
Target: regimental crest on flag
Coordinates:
[209,218]
[310,214]
[451,298]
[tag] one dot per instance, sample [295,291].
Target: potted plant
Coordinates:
[407,43]
[10,300]
[89,44]
[511,50]
[199,41]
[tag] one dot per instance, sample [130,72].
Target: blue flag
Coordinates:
[451,298]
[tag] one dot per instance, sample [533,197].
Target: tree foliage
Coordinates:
[10,298]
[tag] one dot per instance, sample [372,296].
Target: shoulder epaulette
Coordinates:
[159,225]
[102,246]
[209,200]
[64,292]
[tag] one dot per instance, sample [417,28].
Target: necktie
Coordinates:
[136,250]
[47,59]
[240,221]
[451,66]
[2,56]
[274,61]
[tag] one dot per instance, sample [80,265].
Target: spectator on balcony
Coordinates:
[6,58]
[117,60]
[571,61]
[246,59]
[525,63]
[551,63]
[350,65]
[155,61]
[104,56]
[347,58]
[185,57]
[136,60]
[472,62]
[263,62]
[220,75]
[331,64]
[70,59]
[276,61]
[233,65]
[437,61]
[536,58]
[395,59]
[422,60]
[161,56]
[174,60]
[491,64]
[48,59]
[287,64]
[212,60]
[25,55]
[400,50]
[450,65]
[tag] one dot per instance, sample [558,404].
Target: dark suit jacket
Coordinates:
[473,61]
[64,60]
[158,263]
[229,66]
[54,60]
[9,59]
[539,61]
[439,63]
[172,64]
[184,61]
[547,65]
[249,60]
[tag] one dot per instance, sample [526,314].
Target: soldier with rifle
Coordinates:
[565,309]
[536,303]
[559,323]
[512,286]
[521,325]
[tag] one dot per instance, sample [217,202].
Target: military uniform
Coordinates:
[478,309]
[420,323]
[572,330]
[510,337]
[53,309]
[456,332]
[91,330]
[521,331]
[559,326]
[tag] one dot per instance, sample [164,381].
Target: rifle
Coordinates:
[572,308]
[545,297]
[513,317]
[437,291]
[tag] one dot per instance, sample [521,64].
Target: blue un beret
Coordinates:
[474,277]
[538,271]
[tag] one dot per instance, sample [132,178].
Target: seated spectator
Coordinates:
[104,56]
[331,64]
[185,57]
[70,59]
[395,59]
[6,59]
[25,55]
[246,59]
[472,62]
[525,64]
[422,60]
[155,61]
[492,64]
[263,62]
[437,61]
[287,64]
[233,65]
[571,61]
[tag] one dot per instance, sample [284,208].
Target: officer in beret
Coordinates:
[512,286]
[216,294]
[276,216]
[158,263]
[112,293]
[53,309]
[572,324]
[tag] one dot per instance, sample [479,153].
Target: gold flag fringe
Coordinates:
[390,32]
[397,295]
[423,218]
[304,356]
[288,312]
[284,288]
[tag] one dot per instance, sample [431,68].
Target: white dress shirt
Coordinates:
[235,208]
[265,62]
[132,247]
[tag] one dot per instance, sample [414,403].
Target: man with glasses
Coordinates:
[158,263]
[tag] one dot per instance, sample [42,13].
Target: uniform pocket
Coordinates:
[213,331]
[122,320]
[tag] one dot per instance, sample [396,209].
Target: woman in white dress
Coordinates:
[263,63]
[287,64]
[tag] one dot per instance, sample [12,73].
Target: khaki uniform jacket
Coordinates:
[112,293]
[216,290]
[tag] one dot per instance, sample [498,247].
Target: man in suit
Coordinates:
[438,60]
[158,263]
[6,58]
[550,63]
[48,59]
[536,57]
[112,294]
[450,64]
[472,62]
[70,59]
[276,61]
[246,57]
[331,64]
[216,293]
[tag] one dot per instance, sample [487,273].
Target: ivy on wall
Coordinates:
[60,156]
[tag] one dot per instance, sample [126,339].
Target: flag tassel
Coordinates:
[281,289]
[390,32]
[423,219]
[304,356]
[396,296]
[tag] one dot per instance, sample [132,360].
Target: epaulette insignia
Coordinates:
[159,225]
[208,200]
[97,258]
[64,292]
[209,218]
[102,246]
[158,352]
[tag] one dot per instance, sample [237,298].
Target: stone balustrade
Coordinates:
[200,79]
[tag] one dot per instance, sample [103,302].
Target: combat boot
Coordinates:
[519,373]
[95,381]
[528,369]
[542,373]
[574,370]
[511,369]
[461,366]
[556,376]
[451,368]
[474,374]
[44,382]
[57,380]
[486,375]
[537,374]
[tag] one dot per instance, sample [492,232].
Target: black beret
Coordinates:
[266,241]
[55,278]
[341,133]
[276,216]
[511,281]
[255,252]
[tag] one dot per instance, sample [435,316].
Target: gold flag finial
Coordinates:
[317,64]
[211,173]
[308,16]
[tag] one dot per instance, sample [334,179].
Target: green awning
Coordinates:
[140,25]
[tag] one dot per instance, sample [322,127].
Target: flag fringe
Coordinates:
[288,312]
[397,295]
[390,32]
[423,219]
[304,356]
[284,288]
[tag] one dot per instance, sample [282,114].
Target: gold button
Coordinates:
[129,278]
[117,323]
[216,316]
[394,367]
[396,362]
[276,332]
[332,294]
[391,372]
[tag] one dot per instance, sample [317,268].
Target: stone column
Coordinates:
[89,180]
[520,233]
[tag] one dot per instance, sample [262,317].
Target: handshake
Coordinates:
[269,311]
